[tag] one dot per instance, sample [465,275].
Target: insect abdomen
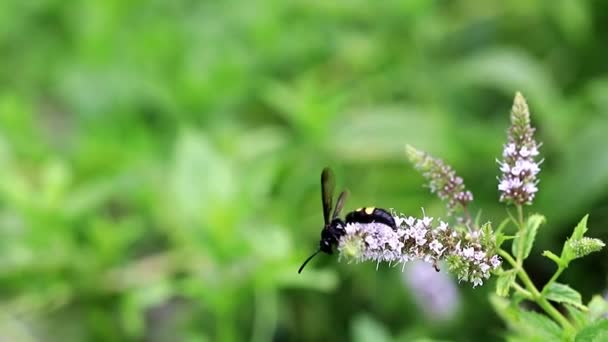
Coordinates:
[371,214]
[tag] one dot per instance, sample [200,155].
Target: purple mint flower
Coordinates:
[519,167]
[419,239]
[442,179]
[435,292]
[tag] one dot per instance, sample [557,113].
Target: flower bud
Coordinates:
[585,246]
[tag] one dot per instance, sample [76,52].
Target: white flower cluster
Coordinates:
[518,183]
[519,170]
[417,239]
[475,264]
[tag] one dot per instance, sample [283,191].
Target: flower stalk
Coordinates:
[531,292]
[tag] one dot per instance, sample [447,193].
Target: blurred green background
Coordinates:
[160,160]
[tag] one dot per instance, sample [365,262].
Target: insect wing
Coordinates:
[327,192]
[340,203]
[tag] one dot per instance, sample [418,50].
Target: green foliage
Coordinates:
[582,321]
[522,244]
[596,332]
[598,308]
[159,160]
[577,246]
[562,293]
[525,325]
[504,283]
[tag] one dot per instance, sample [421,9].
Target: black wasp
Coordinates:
[333,229]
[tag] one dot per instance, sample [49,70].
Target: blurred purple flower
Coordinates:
[518,183]
[435,292]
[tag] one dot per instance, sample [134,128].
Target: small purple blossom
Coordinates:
[469,255]
[519,167]
[442,179]
[435,293]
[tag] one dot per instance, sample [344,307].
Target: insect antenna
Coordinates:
[307,260]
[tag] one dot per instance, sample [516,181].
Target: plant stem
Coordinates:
[523,291]
[520,216]
[536,296]
[553,312]
[557,273]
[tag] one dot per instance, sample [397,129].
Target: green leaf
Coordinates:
[503,225]
[488,237]
[478,218]
[500,238]
[365,328]
[532,326]
[562,293]
[580,229]
[504,283]
[507,312]
[597,332]
[577,316]
[598,308]
[577,246]
[536,325]
[522,245]
[499,235]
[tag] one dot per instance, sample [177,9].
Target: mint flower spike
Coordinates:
[519,167]
[469,255]
[441,177]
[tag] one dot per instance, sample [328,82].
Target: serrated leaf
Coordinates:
[580,229]
[578,245]
[562,293]
[596,332]
[487,238]
[536,325]
[522,245]
[504,283]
